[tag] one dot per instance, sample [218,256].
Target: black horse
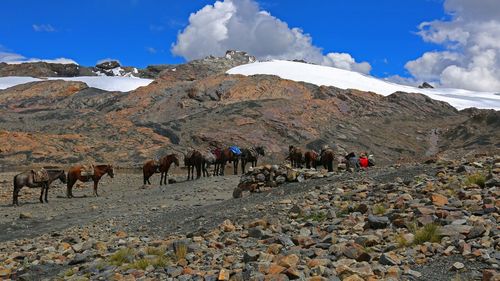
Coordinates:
[27,179]
[251,155]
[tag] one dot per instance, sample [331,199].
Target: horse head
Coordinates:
[62,177]
[291,148]
[175,159]
[260,150]
[110,171]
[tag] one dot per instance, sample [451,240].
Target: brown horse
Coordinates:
[75,173]
[251,155]
[217,152]
[208,159]
[149,168]
[327,158]
[165,163]
[311,158]
[193,159]
[27,179]
[227,155]
[296,157]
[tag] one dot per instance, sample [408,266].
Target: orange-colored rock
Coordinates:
[275,269]
[438,199]
[223,275]
[289,261]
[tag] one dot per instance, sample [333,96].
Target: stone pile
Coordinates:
[270,176]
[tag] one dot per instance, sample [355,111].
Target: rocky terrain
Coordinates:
[436,221]
[209,66]
[429,210]
[197,105]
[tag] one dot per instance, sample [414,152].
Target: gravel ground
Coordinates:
[184,207]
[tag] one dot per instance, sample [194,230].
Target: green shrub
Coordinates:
[428,233]
[122,256]
[379,209]
[476,178]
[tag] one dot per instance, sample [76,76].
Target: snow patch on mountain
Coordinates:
[345,79]
[107,83]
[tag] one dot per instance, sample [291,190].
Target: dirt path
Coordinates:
[121,198]
[182,207]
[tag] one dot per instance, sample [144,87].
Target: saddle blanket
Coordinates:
[40,175]
[236,150]
[87,170]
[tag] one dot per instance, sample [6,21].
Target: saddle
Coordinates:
[189,154]
[252,152]
[217,152]
[87,170]
[40,175]
[236,150]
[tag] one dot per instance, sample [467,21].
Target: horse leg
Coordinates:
[15,196]
[95,188]
[198,170]
[161,178]
[46,193]
[41,193]
[235,166]
[243,164]
[69,187]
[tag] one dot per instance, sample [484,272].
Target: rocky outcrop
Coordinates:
[198,105]
[43,69]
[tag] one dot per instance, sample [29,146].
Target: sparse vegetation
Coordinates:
[122,256]
[428,233]
[180,250]
[402,242]
[141,264]
[155,251]
[379,209]
[476,178]
[316,216]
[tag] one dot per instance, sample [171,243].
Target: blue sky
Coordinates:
[141,32]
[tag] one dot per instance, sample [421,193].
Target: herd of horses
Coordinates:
[202,161]
[194,159]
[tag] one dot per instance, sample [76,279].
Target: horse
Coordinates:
[327,158]
[26,179]
[251,155]
[165,163]
[227,155]
[193,159]
[311,158]
[296,156]
[208,159]
[75,174]
[149,168]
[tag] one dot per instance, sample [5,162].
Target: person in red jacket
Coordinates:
[363,161]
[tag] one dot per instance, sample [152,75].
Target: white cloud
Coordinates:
[151,50]
[12,58]
[471,41]
[241,25]
[43,28]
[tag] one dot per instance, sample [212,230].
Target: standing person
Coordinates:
[363,160]
[352,162]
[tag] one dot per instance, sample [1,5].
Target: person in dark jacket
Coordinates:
[352,162]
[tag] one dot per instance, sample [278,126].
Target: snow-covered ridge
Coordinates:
[108,83]
[344,79]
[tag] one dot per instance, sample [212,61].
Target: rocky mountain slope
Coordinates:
[198,105]
[208,66]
